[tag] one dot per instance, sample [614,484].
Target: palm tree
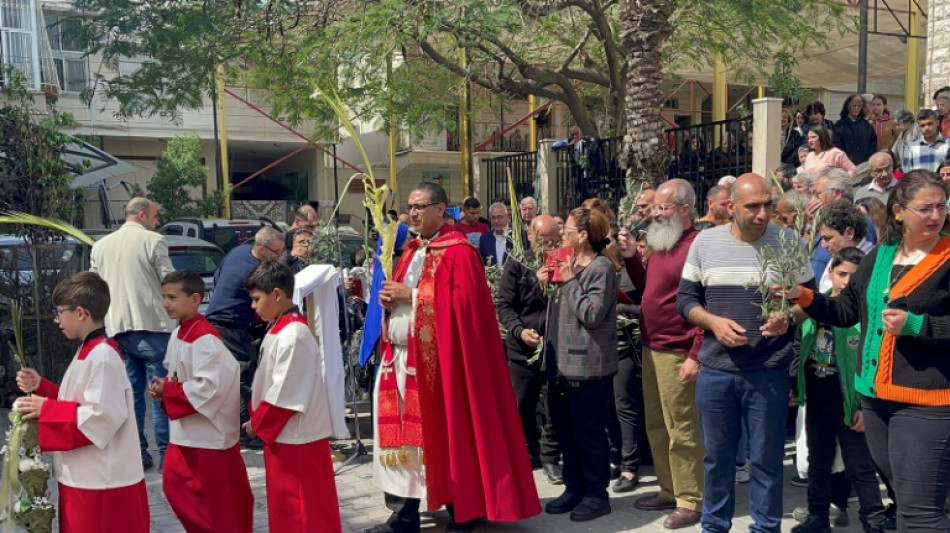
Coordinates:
[645,29]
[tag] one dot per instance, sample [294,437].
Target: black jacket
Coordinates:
[856,138]
[521,305]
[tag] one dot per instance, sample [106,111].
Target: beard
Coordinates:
[663,234]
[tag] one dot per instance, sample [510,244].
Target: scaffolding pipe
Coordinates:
[223,142]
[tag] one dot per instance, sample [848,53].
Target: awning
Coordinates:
[101,165]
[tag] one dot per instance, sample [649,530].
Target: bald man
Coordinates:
[744,376]
[133,260]
[522,308]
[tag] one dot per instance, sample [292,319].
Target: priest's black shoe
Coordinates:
[564,503]
[589,509]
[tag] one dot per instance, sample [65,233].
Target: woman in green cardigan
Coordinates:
[826,364]
[901,297]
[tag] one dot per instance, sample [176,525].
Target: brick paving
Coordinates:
[361,503]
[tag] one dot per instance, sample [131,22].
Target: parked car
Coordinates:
[225,234]
[201,256]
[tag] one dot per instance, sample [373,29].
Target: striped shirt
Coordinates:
[722,274]
[919,154]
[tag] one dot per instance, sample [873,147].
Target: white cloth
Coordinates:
[322,281]
[289,376]
[407,479]
[133,261]
[211,381]
[106,416]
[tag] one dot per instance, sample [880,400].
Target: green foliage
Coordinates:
[569,51]
[180,171]
[33,176]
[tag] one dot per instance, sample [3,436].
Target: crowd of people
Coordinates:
[666,336]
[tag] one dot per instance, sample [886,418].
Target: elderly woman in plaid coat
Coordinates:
[581,357]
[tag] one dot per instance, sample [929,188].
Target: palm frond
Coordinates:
[26,219]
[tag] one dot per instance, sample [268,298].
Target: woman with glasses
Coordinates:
[581,360]
[901,297]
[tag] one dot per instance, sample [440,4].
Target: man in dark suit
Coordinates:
[494,244]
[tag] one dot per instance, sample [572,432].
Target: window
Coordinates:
[71,65]
[18,46]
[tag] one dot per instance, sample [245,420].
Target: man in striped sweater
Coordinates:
[744,376]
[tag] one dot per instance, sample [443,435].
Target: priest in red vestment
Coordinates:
[446,423]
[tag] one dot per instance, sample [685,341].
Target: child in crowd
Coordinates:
[290,411]
[826,366]
[89,420]
[204,476]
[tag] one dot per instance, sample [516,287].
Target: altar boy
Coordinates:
[290,411]
[89,421]
[204,476]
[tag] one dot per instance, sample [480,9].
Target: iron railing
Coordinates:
[523,167]
[700,154]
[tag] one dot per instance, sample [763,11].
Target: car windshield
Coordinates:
[230,237]
[204,261]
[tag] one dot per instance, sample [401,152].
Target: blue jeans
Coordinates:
[758,399]
[144,352]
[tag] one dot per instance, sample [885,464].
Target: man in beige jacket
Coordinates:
[133,260]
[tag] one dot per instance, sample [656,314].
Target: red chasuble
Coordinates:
[474,448]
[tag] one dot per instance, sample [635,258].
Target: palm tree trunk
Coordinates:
[645,29]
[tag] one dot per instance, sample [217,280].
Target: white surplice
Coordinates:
[404,479]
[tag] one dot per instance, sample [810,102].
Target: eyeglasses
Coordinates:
[667,207]
[420,207]
[570,229]
[925,210]
[277,252]
[880,171]
[57,312]
[643,206]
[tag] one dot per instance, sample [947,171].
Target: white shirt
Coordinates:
[289,376]
[501,248]
[211,381]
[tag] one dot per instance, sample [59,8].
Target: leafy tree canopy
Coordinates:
[567,50]
[34,178]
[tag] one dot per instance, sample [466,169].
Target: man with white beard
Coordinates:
[670,347]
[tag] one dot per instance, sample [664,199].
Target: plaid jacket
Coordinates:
[587,322]
[919,154]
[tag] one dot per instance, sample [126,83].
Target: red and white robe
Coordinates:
[204,476]
[89,424]
[290,412]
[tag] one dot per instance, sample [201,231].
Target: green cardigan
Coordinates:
[846,360]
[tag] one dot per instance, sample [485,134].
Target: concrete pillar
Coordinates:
[766,136]
[546,189]
[938,49]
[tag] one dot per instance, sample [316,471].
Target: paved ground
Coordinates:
[361,504]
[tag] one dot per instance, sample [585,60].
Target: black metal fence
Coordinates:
[701,154]
[523,167]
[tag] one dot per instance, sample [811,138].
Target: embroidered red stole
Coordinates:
[401,427]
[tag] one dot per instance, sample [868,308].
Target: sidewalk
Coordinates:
[361,503]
